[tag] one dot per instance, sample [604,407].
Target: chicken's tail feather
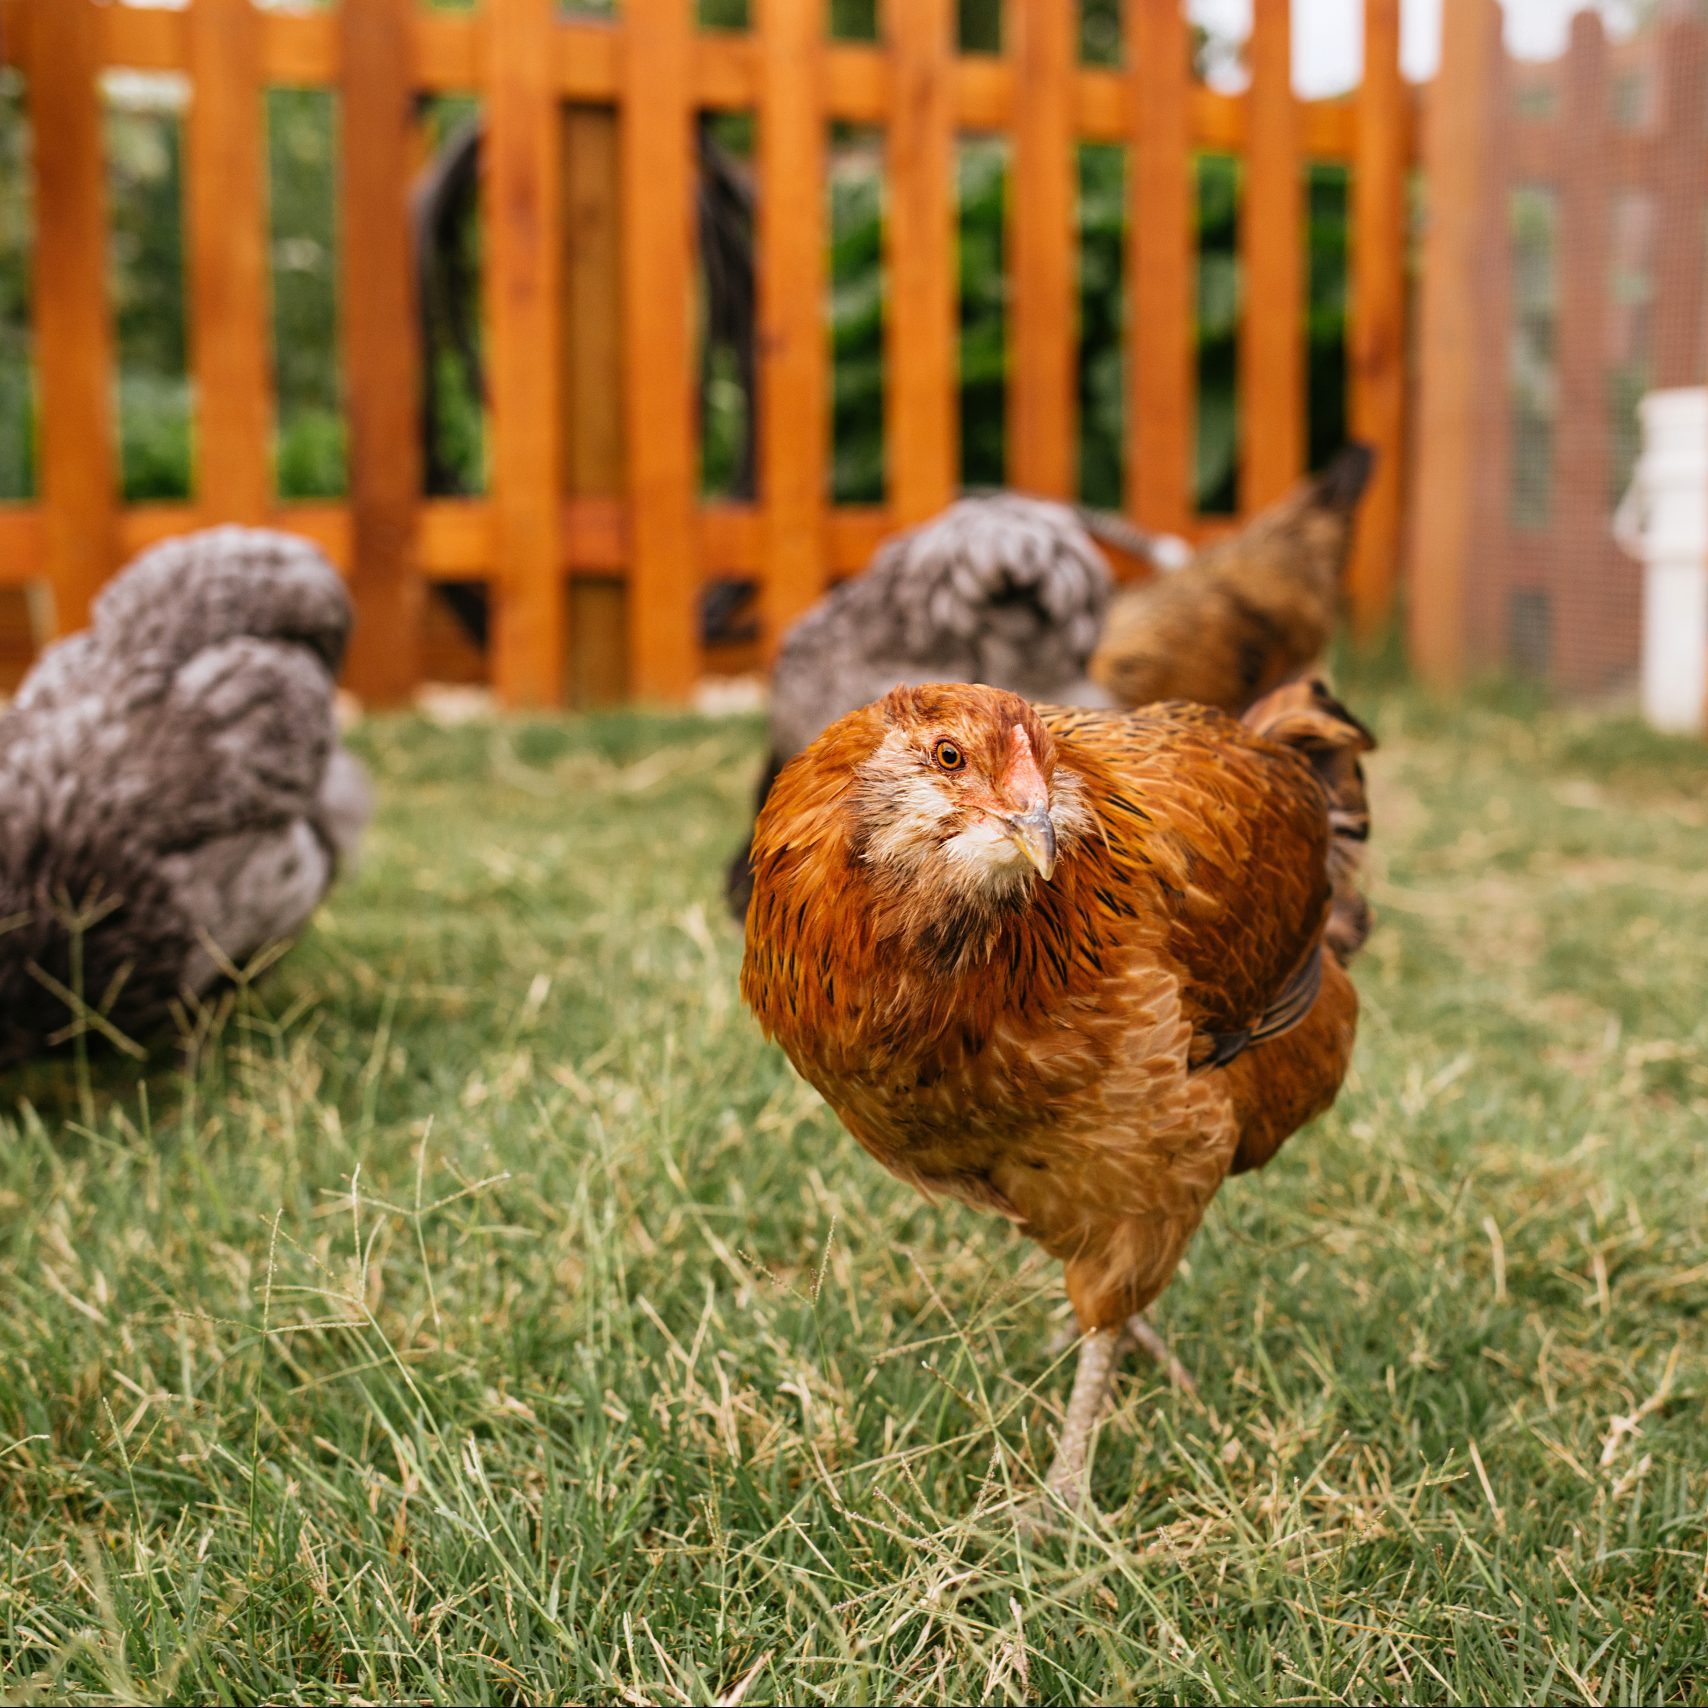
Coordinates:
[1305,716]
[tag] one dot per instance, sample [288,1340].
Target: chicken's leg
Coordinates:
[1069,1476]
[1138,1332]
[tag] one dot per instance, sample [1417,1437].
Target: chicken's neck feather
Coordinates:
[835,952]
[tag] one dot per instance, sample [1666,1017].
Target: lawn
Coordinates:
[489,1315]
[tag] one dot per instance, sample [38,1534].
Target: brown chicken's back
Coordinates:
[1249,613]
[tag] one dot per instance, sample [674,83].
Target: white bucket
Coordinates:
[1663,521]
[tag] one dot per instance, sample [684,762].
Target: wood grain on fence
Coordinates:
[1455,156]
[447,58]
[1161,286]
[523,194]
[1581,499]
[921,439]
[75,360]
[592,317]
[1272,225]
[1377,329]
[1042,424]
[1678,180]
[594,452]
[794,361]
[381,348]
[589,289]
[1484,591]
[226,215]
[658,207]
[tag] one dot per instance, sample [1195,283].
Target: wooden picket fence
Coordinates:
[537,531]
[1497,582]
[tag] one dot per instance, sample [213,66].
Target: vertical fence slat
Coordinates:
[1377,332]
[592,304]
[592,319]
[1042,445]
[1455,157]
[226,202]
[75,355]
[1679,247]
[1496,546]
[1582,441]
[1159,267]
[381,360]
[658,184]
[794,423]
[523,164]
[1271,357]
[921,422]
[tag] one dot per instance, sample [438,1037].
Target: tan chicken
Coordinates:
[1248,613]
[1074,967]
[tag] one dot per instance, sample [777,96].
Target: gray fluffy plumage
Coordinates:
[173,775]
[1002,589]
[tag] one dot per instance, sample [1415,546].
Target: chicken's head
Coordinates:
[962,798]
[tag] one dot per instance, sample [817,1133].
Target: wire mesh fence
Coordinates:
[1567,279]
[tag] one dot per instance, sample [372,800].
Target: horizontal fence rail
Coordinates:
[615,497]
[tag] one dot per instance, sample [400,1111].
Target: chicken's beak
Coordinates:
[1034,834]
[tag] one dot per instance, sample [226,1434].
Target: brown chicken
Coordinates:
[1248,613]
[1071,966]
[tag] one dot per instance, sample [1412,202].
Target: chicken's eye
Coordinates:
[949,756]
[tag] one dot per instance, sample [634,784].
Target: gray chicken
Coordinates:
[999,588]
[173,796]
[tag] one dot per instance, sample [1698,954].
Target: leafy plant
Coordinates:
[982,184]
[149,293]
[302,153]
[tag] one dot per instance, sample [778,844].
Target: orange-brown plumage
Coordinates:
[1248,613]
[1086,1038]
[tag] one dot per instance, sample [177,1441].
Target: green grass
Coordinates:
[490,1316]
